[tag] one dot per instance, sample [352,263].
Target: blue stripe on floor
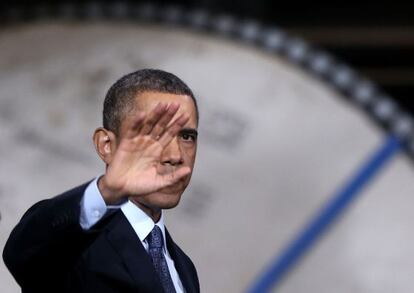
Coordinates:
[334,207]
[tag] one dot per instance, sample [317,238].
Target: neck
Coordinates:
[154,214]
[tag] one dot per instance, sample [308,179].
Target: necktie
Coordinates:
[155,244]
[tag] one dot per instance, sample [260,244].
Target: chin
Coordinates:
[161,200]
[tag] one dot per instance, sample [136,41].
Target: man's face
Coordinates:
[180,152]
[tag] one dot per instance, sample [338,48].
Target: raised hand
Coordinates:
[133,169]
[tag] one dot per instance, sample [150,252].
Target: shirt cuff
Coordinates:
[92,206]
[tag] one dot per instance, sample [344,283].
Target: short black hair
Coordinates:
[120,98]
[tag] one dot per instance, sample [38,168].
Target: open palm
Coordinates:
[133,170]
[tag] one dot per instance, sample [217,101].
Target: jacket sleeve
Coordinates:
[47,241]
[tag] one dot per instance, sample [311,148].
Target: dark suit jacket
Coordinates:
[49,252]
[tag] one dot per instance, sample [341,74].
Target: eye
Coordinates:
[188,137]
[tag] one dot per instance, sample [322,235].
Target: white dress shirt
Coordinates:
[93,208]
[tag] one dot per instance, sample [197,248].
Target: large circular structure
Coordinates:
[280,130]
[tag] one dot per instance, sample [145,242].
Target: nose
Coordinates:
[172,155]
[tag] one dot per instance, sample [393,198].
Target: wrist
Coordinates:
[109,195]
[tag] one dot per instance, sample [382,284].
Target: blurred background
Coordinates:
[293,98]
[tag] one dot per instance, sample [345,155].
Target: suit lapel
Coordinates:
[181,264]
[124,240]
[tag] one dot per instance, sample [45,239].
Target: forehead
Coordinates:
[147,101]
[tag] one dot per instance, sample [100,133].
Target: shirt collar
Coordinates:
[141,222]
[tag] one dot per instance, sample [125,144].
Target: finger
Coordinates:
[161,126]
[132,125]
[173,129]
[153,117]
[175,176]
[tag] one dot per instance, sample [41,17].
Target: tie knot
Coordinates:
[154,238]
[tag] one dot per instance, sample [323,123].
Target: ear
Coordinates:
[105,144]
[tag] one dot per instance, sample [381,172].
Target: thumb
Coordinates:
[176,175]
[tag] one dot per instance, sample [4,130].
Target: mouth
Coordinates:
[171,189]
[174,188]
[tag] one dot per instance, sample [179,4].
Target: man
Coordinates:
[108,235]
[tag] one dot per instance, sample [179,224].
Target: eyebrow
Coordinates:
[192,131]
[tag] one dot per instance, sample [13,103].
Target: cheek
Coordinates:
[189,153]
